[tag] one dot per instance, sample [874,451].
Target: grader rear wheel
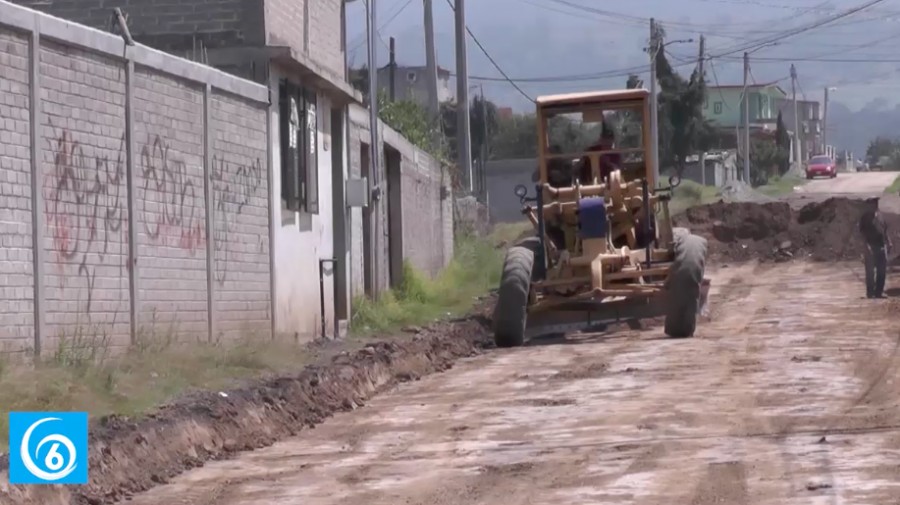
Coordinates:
[684,284]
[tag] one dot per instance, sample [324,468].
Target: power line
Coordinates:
[624,72]
[491,58]
[759,44]
[383,25]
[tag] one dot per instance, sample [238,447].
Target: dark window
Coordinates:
[299,153]
[717,107]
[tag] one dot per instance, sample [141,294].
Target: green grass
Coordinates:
[474,271]
[780,186]
[691,194]
[83,376]
[894,188]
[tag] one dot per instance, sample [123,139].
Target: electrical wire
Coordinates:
[491,58]
[383,25]
[762,43]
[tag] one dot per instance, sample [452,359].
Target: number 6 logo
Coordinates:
[54,460]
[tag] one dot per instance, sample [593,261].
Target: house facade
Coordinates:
[296,49]
[810,124]
[724,105]
[411,83]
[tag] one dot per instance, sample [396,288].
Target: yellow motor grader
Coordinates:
[604,248]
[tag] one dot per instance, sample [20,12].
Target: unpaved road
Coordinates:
[733,416]
[851,183]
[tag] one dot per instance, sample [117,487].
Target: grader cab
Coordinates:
[604,248]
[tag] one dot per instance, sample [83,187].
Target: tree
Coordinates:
[783,145]
[881,147]
[516,138]
[410,120]
[682,129]
[477,124]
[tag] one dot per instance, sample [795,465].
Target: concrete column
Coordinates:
[37,196]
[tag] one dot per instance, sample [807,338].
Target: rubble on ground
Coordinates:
[773,231]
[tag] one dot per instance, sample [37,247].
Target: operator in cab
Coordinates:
[878,243]
[608,161]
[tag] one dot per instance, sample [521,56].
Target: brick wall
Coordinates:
[286,24]
[177,26]
[85,194]
[82,208]
[171,210]
[241,251]
[16,275]
[166,24]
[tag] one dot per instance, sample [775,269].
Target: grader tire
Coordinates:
[511,311]
[684,283]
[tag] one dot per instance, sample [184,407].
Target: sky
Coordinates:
[574,40]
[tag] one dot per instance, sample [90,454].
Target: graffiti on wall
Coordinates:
[85,210]
[168,187]
[86,203]
[234,185]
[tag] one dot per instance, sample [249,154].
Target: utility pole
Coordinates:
[393,70]
[431,72]
[825,121]
[798,151]
[463,132]
[482,180]
[746,119]
[654,107]
[702,54]
[374,148]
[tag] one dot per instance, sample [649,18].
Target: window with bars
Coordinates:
[299,148]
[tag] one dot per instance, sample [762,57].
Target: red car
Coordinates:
[821,165]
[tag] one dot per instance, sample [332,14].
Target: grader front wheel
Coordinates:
[511,311]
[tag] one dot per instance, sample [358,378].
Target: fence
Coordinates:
[134,188]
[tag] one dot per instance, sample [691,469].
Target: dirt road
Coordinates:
[734,416]
[855,183]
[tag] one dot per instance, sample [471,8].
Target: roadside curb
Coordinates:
[130,456]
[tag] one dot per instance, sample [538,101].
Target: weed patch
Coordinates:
[474,271]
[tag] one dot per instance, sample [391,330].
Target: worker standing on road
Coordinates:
[874,232]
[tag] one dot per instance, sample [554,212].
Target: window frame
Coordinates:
[298,147]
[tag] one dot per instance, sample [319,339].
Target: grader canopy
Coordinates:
[604,248]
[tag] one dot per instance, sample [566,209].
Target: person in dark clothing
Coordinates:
[874,232]
[608,161]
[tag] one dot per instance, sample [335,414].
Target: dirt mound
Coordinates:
[821,231]
[132,455]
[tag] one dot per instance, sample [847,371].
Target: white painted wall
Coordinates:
[300,244]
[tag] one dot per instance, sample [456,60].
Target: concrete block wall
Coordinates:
[427,231]
[310,27]
[79,112]
[165,24]
[16,274]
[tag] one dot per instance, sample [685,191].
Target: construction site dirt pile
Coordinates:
[820,231]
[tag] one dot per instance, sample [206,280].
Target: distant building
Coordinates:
[723,105]
[810,124]
[411,83]
[504,113]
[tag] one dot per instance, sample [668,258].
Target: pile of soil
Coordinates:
[820,231]
[128,455]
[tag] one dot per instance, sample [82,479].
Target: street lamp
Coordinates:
[825,118]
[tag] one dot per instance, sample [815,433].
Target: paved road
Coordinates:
[734,416]
[861,183]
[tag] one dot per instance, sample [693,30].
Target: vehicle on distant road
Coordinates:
[821,166]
